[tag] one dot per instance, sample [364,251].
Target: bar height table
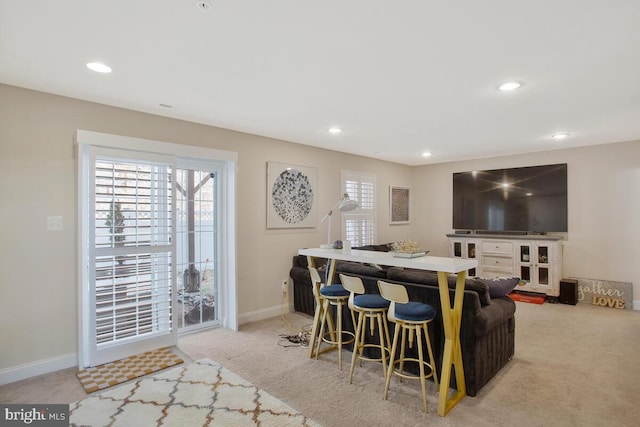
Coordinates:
[451,315]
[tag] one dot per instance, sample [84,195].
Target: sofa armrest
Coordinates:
[302,262]
[303,299]
[489,317]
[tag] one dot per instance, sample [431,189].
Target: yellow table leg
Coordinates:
[451,319]
[318,311]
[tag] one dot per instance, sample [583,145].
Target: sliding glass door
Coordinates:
[197,243]
[156,227]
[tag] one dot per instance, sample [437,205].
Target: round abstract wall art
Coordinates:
[292,196]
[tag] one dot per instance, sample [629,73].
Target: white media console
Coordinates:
[536,259]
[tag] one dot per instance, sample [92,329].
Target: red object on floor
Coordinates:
[533,299]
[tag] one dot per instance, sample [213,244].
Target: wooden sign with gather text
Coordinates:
[605,293]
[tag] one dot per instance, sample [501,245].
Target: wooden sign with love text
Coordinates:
[605,293]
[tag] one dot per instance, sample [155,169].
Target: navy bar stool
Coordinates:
[412,317]
[374,308]
[329,295]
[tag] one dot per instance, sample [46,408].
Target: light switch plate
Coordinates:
[54,223]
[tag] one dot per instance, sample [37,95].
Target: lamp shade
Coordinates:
[346,204]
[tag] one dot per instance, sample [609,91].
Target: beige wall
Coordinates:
[38,298]
[604,207]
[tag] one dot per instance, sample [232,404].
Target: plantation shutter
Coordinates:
[359,225]
[131,285]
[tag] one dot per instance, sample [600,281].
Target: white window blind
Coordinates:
[132,249]
[359,225]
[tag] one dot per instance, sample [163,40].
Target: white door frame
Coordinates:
[228,289]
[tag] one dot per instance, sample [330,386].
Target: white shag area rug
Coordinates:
[202,393]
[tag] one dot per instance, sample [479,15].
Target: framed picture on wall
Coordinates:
[399,204]
[291,196]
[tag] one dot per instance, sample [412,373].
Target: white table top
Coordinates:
[432,263]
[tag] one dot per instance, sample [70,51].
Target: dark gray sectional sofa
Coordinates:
[488,324]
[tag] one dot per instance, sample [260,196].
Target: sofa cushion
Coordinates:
[501,286]
[360,269]
[430,278]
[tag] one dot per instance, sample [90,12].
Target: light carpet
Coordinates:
[202,393]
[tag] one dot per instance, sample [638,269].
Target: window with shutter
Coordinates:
[132,252]
[359,225]
[132,249]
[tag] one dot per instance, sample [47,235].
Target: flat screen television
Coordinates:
[522,200]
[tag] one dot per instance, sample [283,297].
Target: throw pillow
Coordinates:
[501,286]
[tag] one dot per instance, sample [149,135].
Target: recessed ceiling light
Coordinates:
[98,67]
[426,154]
[505,87]
[335,130]
[560,135]
[203,5]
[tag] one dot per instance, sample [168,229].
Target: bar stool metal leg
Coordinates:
[336,338]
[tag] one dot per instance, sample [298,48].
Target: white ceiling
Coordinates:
[399,76]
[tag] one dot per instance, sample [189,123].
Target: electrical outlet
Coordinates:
[285,283]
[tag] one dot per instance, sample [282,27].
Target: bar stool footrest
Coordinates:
[412,376]
[335,343]
[373,359]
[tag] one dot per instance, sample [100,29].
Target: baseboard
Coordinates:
[265,313]
[39,367]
